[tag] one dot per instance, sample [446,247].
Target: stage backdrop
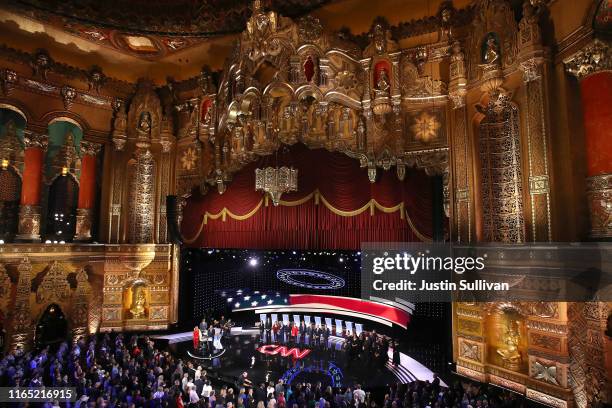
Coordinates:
[335,207]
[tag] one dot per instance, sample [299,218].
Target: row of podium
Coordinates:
[338,327]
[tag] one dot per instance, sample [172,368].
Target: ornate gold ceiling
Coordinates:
[150,29]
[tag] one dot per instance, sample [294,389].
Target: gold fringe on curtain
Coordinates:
[370,205]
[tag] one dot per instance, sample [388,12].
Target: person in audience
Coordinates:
[107,370]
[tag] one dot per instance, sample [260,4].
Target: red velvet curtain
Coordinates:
[311,225]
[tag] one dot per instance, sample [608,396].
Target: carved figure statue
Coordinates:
[138,302]
[511,354]
[380,38]
[382,85]
[144,125]
[492,53]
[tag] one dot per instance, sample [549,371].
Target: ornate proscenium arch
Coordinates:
[290,82]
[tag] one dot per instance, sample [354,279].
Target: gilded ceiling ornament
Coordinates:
[425,127]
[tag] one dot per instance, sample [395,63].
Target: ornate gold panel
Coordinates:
[469,326]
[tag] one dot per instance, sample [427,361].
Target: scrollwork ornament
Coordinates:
[69,94]
[532,70]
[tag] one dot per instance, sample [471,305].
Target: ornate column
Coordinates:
[87,191]
[460,148]
[29,209]
[592,66]
[533,58]
[166,138]
[141,196]
[80,305]
[119,138]
[21,328]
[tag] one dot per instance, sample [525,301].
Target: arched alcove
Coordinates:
[62,206]
[12,126]
[10,192]
[61,193]
[52,326]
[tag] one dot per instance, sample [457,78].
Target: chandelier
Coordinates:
[275,181]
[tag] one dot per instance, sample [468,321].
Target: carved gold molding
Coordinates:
[596,56]
[599,194]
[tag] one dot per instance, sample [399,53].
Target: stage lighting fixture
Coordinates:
[253,262]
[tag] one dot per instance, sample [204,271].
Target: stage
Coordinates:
[244,350]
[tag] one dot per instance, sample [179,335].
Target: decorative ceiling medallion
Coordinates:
[309,279]
[140,43]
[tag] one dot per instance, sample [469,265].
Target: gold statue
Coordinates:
[144,125]
[382,85]
[491,54]
[511,354]
[138,302]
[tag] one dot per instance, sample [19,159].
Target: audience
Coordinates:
[108,371]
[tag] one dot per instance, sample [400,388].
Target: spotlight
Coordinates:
[253,262]
[341,259]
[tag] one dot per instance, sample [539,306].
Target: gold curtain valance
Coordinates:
[371,205]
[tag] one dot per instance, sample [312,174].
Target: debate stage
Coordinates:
[244,350]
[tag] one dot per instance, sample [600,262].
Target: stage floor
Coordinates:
[331,366]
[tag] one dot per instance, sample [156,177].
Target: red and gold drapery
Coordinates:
[335,207]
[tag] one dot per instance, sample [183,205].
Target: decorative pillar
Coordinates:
[533,58]
[592,66]
[166,138]
[119,137]
[141,196]
[21,328]
[460,147]
[87,191]
[80,306]
[29,209]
